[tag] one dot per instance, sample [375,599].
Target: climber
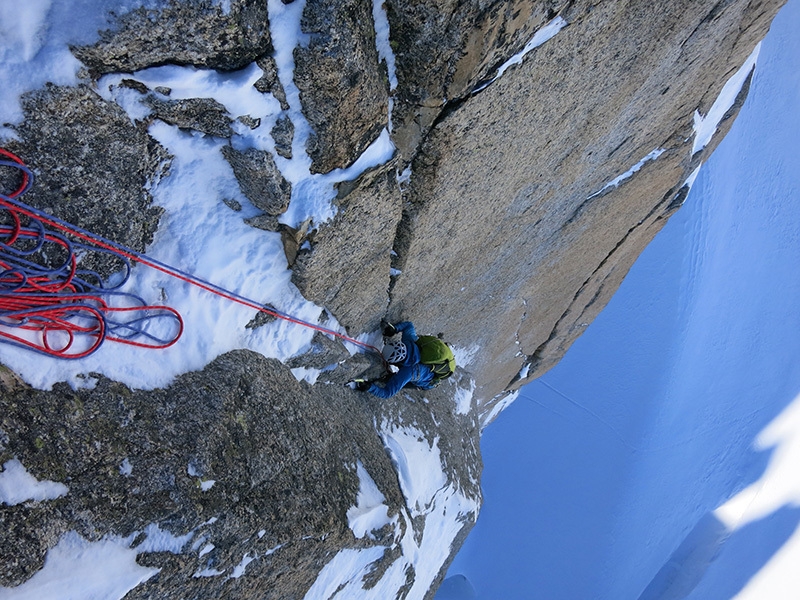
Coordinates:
[421,361]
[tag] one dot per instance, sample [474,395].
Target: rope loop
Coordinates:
[49,305]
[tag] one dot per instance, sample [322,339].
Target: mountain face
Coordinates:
[519,195]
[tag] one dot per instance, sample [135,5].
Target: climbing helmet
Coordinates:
[394,352]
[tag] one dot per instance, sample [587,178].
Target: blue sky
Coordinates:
[621,457]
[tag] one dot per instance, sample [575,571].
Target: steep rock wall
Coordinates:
[524,158]
[509,238]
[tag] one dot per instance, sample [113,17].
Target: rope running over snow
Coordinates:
[47,308]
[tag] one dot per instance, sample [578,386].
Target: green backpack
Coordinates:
[438,356]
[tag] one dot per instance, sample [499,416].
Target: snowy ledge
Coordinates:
[706,127]
[540,37]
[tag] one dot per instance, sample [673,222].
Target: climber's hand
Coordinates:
[388,329]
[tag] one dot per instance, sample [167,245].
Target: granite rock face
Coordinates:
[479,37]
[349,259]
[199,33]
[240,459]
[343,89]
[532,175]
[507,218]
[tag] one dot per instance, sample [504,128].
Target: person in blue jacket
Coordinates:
[404,354]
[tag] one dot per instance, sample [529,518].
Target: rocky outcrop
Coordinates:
[343,89]
[198,114]
[508,217]
[239,461]
[92,165]
[260,179]
[202,34]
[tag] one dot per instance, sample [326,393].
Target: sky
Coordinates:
[659,458]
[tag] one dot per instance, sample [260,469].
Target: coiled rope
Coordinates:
[49,305]
[62,303]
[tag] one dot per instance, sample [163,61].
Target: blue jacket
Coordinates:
[412,372]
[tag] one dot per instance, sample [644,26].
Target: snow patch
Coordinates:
[385,52]
[205,484]
[234,90]
[524,371]
[629,173]
[18,486]
[307,374]
[348,566]
[159,540]
[501,405]
[540,37]
[370,512]
[126,468]
[705,127]
[463,398]
[418,464]
[238,570]
[225,5]
[690,181]
[208,572]
[465,356]
[75,569]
